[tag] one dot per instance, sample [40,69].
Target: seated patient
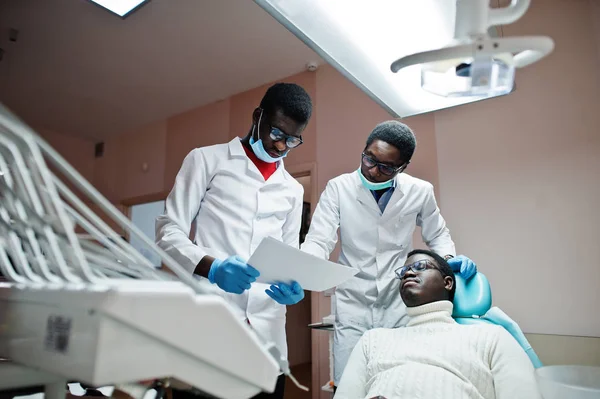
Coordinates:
[433,356]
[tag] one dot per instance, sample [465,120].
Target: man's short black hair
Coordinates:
[397,134]
[291,99]
[444,267]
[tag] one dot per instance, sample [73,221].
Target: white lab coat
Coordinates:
[222,192]
[376,244]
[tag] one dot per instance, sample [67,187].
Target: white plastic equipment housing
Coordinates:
[134,330]
[88,307]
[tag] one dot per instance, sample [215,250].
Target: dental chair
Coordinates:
[473,305]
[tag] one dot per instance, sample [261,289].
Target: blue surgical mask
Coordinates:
[374,186]
[259,149]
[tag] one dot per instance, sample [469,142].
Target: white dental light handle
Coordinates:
[529,48]
[510,14]
[474,17]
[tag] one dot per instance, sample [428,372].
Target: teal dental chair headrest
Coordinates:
[473,297]
[473,305]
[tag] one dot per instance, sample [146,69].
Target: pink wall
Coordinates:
[161,146]
[199,127]
[148,145]
[78,152]
[120,174]
[519,177]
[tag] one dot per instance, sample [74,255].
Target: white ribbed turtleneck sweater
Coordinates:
[435,357]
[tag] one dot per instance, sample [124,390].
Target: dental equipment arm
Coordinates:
[84,307]
[474,64]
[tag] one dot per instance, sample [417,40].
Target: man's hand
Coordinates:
[232,274]
[286,294]
[463,265]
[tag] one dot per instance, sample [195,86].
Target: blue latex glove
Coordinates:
[285,294]
[232,274]
[463,265]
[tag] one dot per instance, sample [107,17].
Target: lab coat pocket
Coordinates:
[407,222]
[409,215]
[400,233]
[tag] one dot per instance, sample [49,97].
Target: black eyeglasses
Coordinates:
[418,266]
[383,168]
[290,141]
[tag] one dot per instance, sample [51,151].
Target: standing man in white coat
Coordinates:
[376,210]
[236,194]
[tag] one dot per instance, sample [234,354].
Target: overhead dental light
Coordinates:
[475,64]
[362,38]
[122,8]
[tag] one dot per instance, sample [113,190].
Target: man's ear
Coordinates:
[449,283]
[256,115]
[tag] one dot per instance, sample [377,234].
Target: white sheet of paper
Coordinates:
[278,262]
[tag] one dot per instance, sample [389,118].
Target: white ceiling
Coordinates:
[80,70]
